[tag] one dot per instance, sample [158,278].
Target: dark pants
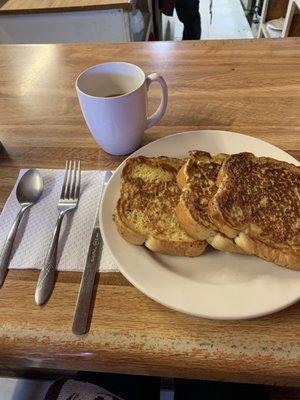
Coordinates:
[188,14]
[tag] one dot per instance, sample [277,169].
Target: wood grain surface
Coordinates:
[276,9]
[250,86]
[38,6]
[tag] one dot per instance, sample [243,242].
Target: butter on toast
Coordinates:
[258,204]
[145,212]
[197,179]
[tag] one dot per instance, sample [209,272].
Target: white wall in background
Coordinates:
[65,27]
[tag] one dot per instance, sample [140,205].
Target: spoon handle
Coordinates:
[46,279]
[8,244]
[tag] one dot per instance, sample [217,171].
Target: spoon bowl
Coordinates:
[30,187]
[29,190]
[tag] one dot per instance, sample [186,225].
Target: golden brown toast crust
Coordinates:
[187,222]
[201,172]
[284,258]
[145,212]
[260,197]
[197,178]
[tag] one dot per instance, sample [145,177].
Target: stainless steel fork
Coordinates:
[68,201]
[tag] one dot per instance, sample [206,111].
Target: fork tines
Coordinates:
[71,185]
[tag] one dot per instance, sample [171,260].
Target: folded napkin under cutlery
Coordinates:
[78,390]
[32,240]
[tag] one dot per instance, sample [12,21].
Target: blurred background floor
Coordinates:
[228,22]
[23,389]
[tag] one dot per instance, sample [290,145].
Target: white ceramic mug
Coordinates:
[118,122]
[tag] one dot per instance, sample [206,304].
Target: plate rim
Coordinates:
[136,284]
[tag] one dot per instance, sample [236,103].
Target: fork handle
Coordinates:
[45,282]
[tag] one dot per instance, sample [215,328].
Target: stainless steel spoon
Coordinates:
[29,190]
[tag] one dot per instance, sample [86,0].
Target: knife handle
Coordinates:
[46,279]
[87,283]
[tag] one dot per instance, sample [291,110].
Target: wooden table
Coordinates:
[25,6]
[251,87]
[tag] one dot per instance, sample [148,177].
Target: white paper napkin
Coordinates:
[77,390]
[34,234]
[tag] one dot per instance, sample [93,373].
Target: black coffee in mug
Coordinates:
[115,95]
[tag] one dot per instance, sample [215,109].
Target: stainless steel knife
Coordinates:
[88,277]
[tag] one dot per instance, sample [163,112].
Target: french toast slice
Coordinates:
[197,179]
[145,211]
[258,205]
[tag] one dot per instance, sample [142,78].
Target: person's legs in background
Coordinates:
[188,13]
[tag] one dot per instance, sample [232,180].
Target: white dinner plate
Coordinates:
[215,285]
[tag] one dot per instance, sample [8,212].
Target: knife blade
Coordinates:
[88,277]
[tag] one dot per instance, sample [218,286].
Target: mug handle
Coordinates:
[159,113]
